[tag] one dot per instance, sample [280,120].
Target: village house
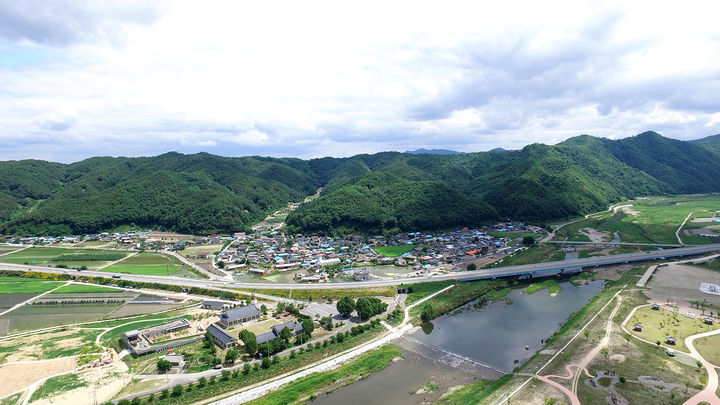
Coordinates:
[239,315]
[295,327]
[221,338]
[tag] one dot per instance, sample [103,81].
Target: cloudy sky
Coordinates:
[310,79]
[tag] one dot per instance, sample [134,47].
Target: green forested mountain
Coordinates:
[711,143]
[203,193]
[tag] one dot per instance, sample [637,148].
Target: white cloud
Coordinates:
[312,79]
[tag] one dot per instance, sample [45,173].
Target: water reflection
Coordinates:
[498,334]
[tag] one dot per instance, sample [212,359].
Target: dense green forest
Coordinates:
[711,143]
[389,191]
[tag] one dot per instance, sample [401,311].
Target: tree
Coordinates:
[266,362]
[177,390]
[428,312]
[528,240]
[471,267]
[250,341]
[263,308]
[232,355]
[164,365]
[285,334]
[308,326]
[345,306]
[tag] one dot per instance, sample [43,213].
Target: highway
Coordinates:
[535,269]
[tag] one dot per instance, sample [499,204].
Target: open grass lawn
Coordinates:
[656,220]
[146,264]
[260,327]
[85,289]
[709,347]
[365,365]
[393,251]
[658,324]
[47,257]
[19,285]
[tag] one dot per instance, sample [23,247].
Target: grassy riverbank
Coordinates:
[307,388]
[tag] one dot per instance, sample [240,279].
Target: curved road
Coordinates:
[535,268]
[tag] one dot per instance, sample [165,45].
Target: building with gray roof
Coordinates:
[239,315]
[221,338]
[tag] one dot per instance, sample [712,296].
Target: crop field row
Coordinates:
[155,264]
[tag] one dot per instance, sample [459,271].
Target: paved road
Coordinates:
[536,268]
[570,242]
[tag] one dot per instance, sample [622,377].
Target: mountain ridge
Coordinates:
[367,193]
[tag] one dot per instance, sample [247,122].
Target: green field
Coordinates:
[155,264]
[656,220]
[59,256]
[85,289]
[393,251]
[19,285]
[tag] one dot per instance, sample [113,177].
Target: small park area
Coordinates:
[661,323]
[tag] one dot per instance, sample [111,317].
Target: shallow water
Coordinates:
[497,334]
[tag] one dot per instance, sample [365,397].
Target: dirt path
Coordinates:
[677,233]
[582,366]
[596,350]
[547,379]
[530,377]
[708,393]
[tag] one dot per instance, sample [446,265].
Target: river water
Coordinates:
[495,335]
[498,333]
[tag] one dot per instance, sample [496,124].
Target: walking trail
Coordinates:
[582,366]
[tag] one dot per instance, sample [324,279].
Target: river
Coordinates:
[495,334]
